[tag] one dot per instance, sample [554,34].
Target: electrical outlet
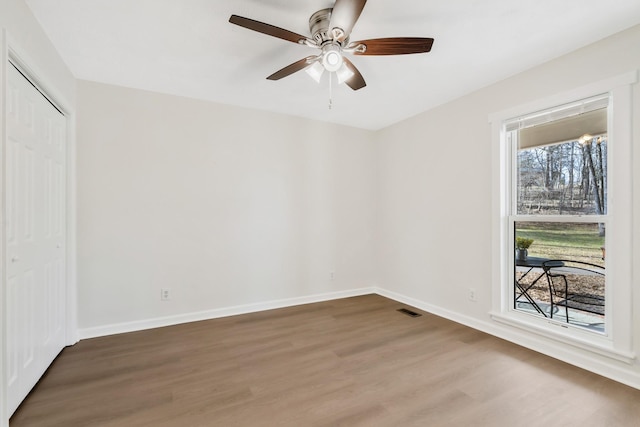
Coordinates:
[165,294]
[332,275]
[472,295]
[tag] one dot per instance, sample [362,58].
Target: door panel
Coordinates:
[35,176]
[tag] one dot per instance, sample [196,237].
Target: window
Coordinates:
[558,212]
[562,217]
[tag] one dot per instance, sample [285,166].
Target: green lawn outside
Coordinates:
[576,241]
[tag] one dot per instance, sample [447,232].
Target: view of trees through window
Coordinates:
[567,178]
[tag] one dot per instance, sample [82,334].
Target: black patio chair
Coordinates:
[575,284]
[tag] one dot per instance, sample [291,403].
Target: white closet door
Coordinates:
[35,235]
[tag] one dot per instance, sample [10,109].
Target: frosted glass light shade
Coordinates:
[344,73]
[315,71]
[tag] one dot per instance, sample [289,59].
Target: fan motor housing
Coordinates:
[319,27]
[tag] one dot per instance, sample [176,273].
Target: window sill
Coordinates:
[599,345]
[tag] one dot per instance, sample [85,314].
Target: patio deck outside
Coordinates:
[540,293]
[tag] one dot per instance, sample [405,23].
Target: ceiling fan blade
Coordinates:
[268,29]
[393,46]
[344,15]
[292,68]
[356,81]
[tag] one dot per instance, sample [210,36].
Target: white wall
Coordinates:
[20,32]
[225,206]
[435,210]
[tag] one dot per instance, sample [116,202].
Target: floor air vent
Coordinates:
[409,312]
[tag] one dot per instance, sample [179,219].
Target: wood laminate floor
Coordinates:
[349,362]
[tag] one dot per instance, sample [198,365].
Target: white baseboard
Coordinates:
[622,373]
[159,322]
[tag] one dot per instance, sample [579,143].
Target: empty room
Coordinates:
[319,213]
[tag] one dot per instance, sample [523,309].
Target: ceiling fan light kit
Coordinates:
[330,30]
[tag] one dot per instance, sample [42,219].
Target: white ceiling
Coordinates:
[188,48]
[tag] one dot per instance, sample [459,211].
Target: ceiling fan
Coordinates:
[330,30]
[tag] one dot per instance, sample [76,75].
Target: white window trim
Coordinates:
[617,342]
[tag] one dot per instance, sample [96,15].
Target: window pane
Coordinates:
[568,178]
[559,272]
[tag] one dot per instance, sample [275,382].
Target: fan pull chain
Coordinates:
[330,90]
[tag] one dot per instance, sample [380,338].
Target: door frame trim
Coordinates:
[10,52]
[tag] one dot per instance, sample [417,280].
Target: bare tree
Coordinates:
[597,177]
